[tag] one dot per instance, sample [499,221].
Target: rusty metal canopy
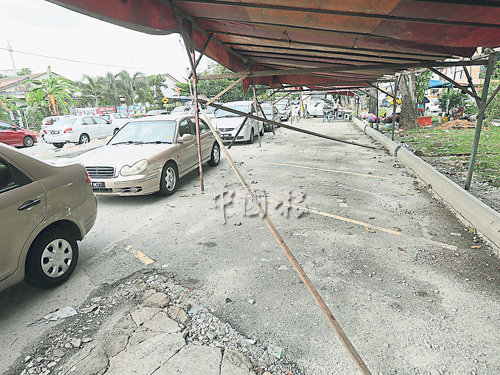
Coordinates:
[365,39]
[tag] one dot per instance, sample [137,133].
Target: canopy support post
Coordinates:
[187,35]
[395,99]
[255,105]
[489,71]
[376,106]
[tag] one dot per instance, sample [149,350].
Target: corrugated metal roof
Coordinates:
[261,35]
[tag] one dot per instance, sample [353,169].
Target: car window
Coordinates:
[185,127]
[203,127]
[107,117]
[5,126]
[87,121]
[99,120]
[11,177]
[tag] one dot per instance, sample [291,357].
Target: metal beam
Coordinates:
[387,17]
[396,86]
[226,89]
[473,88]
[457,85]
[344,49]
[174,8]
[342,68]
[379,89]
[284,125]
[202,53]
[489,71]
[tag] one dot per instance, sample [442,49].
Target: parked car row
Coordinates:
[45,209]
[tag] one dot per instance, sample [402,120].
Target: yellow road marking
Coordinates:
[325,170]
[344,219]
[139,255]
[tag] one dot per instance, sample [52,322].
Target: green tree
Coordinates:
[128,85]
[156,82]
[457,99]
[91,90]
[51,95]
[24,72]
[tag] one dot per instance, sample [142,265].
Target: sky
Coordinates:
[42,28]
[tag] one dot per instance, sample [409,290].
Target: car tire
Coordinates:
[169,179]
[28,141]
[215,155]
[84,138]
[262,132]
[252,136]
[116,131]
[58,145]
[52,258]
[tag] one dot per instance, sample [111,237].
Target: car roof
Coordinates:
[241,102]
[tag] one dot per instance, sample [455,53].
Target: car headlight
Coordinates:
[137,168]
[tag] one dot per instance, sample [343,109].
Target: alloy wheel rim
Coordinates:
[29,142]
[216,154]
[56,258]
[170,178]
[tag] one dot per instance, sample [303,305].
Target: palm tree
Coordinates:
[156,82]
[110,89]
[51,94]
[91,90]
[129,86]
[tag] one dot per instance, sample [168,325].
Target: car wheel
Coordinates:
[58,145]
[115,131]
[252,136]
[262,132]
[169,179]
[215,158]
[51,259]
[84,138]
[28,141]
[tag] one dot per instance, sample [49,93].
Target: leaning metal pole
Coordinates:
[314,292]
[489,71]
[395,99]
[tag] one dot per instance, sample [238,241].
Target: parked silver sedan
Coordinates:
[149,155]
[44,210]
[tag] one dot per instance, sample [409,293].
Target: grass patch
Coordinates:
[435,142]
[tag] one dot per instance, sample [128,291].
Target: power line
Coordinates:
[75,61]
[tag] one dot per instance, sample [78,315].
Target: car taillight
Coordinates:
[88,177]
[68,130]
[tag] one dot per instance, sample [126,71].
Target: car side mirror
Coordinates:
[109,122]
[185,138]
[14,128]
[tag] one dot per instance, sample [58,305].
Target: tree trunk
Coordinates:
[409,111]
[372,103]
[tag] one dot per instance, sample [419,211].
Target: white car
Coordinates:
[117,119]
[284,110]
[228,123]
[315,109]
[79,129]
[269,115]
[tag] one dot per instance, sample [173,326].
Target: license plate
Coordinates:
[226,136]
[98,185]
[54,132]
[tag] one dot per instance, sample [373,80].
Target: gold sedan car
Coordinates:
[149,155]
[44,210]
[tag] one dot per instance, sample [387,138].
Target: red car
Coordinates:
[13,135]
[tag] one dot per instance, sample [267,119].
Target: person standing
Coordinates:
[336,109]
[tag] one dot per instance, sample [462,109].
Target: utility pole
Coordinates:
[9,48]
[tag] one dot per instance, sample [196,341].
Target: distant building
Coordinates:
[16,86]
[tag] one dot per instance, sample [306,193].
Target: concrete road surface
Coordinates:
[403,276]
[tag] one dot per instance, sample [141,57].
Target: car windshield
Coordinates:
[180,109]
[106,117]
[267,110]
[161,131]
[221,113]
[65,122]
[280,105]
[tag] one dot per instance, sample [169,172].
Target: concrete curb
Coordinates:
[481,216]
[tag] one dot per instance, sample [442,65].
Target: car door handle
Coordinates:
[29,204]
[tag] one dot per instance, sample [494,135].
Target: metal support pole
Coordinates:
[376,106]
[255,105]
[489,71]
[272,106]
[396,86]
